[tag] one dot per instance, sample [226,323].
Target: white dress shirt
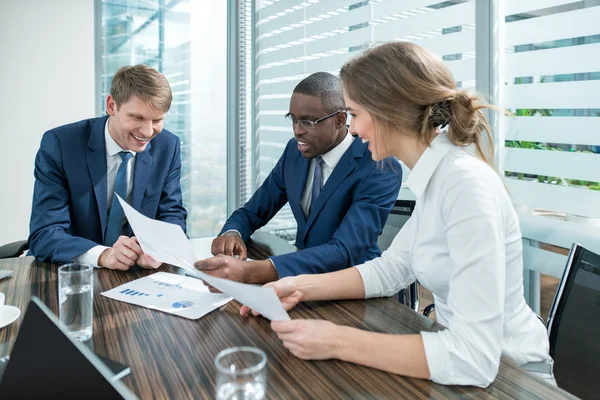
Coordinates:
[331,159]
[113,161]
[463,243]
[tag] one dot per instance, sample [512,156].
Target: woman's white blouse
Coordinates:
[463,243]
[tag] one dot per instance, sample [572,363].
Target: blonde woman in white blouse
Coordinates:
[463,241]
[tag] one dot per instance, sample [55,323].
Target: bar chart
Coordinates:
[131,292]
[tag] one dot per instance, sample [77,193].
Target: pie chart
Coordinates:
[183,304]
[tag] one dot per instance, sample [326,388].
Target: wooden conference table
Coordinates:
[172,357]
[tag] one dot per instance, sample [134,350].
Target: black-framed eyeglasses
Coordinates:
[307,124]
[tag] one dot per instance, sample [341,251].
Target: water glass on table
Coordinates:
[76,300]
[241,374]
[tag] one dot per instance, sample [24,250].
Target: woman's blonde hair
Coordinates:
[405,87]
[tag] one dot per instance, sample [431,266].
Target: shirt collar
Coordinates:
[333,156]
[112,148]
[426,165]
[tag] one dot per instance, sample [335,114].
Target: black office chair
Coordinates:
[14,249]
[574,325]
[398,216]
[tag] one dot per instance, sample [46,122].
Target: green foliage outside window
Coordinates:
[553,180]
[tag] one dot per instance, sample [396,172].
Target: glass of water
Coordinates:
[76,299]
[241,374]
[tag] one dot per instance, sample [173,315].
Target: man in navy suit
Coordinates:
[339,196]
[80,168]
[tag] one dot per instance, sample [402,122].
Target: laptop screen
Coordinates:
[574,341]
[45,363]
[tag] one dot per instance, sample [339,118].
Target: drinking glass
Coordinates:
[241,374]
[76,300]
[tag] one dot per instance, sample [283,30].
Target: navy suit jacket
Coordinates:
[346,219]
[69,211]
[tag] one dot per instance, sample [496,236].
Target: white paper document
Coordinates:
[171,293]
[159,239]
[201,247]
[261,299]
[167,243]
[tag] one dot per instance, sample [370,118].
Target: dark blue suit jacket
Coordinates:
[69,211]
[346,219]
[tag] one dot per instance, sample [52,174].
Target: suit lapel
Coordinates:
[96,162]
[143,166]
[343,168]
[300,171]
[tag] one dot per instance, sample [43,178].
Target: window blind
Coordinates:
[550,148]
[295,38]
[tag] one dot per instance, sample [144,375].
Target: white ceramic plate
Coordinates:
[9,315]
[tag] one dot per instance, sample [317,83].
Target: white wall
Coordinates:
[46,80]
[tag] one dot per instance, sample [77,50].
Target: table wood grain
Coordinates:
[172,357]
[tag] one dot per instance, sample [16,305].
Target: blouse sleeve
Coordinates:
[386,275]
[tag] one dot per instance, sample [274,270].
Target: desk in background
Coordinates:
[172,357]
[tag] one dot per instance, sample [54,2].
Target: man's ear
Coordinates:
[341,119]
[111,105]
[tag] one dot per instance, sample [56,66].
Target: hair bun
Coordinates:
[466,99]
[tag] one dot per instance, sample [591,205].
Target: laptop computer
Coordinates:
[46,363]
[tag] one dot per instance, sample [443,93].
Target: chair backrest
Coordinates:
[13,249]
[401,212]
[574,325]
[398,216]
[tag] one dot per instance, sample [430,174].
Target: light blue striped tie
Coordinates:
[317,182]
[114,227]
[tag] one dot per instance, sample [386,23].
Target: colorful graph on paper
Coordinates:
[170,293]
[131,292]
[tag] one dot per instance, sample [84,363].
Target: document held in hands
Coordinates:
[167,243]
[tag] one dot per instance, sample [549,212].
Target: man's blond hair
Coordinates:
[143,82]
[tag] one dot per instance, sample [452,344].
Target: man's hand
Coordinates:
[226,267]
[233,269]
[230,244]
[147,262]
[122,256]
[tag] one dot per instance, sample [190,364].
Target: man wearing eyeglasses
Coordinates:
[339,196]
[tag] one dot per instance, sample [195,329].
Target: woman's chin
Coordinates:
[374,154]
